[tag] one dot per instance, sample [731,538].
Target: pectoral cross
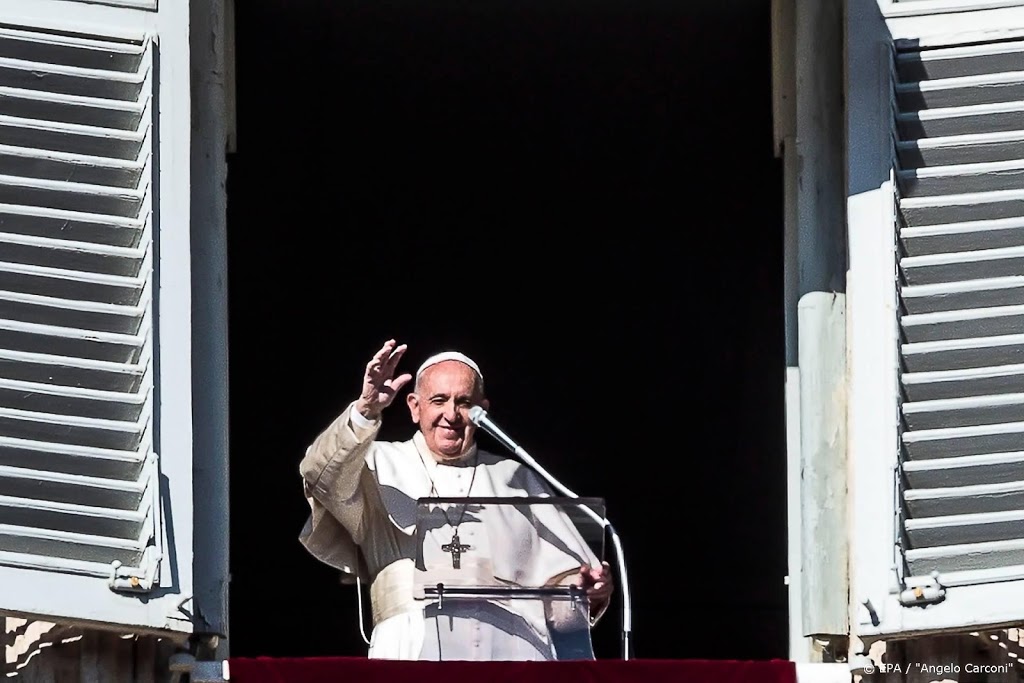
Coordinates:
[456,549]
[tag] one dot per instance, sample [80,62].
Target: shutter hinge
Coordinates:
[139,579]
[929,593]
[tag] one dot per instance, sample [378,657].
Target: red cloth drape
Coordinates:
[337,669]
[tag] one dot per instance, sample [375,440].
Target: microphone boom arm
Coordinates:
[479,417]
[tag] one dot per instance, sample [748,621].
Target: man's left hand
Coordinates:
[599,584]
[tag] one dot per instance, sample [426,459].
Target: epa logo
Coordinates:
[886,667]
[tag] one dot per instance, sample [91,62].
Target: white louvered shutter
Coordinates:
[86,180]
[961,212]
[898,8]
[935,207]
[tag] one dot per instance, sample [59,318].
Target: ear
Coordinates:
[413,401]
[485,404]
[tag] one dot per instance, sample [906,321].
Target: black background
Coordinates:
[580,195]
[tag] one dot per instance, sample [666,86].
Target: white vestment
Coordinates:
[363,492]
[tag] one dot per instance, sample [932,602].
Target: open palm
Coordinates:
[380,386]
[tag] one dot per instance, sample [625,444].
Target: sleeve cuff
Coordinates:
[358,420]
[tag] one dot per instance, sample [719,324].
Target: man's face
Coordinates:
[440,406]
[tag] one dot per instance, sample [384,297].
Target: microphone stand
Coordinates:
[479,417]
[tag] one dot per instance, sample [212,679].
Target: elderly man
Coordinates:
[363,494]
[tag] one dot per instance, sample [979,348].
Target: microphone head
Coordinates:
[476,414]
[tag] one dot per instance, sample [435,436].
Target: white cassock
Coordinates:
[364,493]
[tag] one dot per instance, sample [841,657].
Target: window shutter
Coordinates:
[935,208]
[960,127]
[902,8]
[83,512]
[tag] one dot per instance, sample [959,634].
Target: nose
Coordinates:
[451,412]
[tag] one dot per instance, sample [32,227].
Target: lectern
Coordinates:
[507,566]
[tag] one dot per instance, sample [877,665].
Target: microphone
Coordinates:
[479,417]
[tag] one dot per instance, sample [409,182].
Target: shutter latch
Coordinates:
[929,593]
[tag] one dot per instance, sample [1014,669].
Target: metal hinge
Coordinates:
[139,579]
[929,593]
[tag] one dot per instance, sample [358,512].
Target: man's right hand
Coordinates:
[380,386]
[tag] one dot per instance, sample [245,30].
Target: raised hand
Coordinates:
[380,386]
